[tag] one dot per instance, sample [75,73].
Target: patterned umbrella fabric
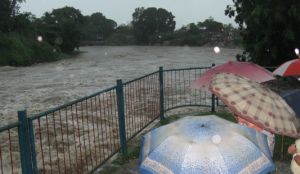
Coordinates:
[205,145]
[292,97]
[289,68]
[256,104]
[246,69]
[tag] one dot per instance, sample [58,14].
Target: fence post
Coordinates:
[121,117]
[161,93]
[32,146]
[25,144]
[213,109]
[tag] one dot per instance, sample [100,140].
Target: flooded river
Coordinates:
[43,86]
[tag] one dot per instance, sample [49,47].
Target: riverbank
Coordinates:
[18,50]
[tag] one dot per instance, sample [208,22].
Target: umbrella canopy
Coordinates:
[292,97]
[289,68]
[204,145]
[246,69]
[256,104]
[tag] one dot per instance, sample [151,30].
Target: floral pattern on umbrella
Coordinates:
[255,103]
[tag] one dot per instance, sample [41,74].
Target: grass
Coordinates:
[280,150]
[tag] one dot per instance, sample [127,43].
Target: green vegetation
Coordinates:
[27,40]
[149,24]
[17,50]
[269,29]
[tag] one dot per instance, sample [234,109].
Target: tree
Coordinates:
[98,27]
[211,25]
[14,7]
[150,23]
[5,18]
[62,27]
[8,11]
[24,24]
[269,29]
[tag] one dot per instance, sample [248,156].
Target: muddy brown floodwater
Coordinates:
[43,86]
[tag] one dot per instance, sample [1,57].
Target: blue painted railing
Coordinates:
[81,135]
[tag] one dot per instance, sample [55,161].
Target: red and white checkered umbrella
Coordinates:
[289,68]
[256,104]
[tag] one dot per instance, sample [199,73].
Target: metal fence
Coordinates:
[80,136]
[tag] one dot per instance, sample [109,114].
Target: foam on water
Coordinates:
[47,85]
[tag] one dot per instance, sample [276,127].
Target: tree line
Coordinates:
[269,29]
[26,39]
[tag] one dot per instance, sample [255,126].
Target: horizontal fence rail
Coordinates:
[81,135]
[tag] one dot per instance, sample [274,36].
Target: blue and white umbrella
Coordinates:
[205,144]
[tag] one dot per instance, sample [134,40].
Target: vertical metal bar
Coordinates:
[200,92]
[69,155]
[102,135]
[140,104]
[1,163]
[81,160]
[161,93]
[10,153]
[32,146]
[74,132]
[54,128]
[142,101]
[47,128]
[184,81]
[62,140]
[135,105]
[175,84]
[85,162]
[146,99]
[93,122]
[190,87]
[41,143]
[131,109]
[111,121]
[26,164]
[121,116]
[97,130]
[114,122]
[105,113]
[213,109]
[88,130]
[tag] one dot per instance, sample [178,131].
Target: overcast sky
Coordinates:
[185,11]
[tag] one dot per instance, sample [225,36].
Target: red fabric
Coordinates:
[246,69]
[289,68]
